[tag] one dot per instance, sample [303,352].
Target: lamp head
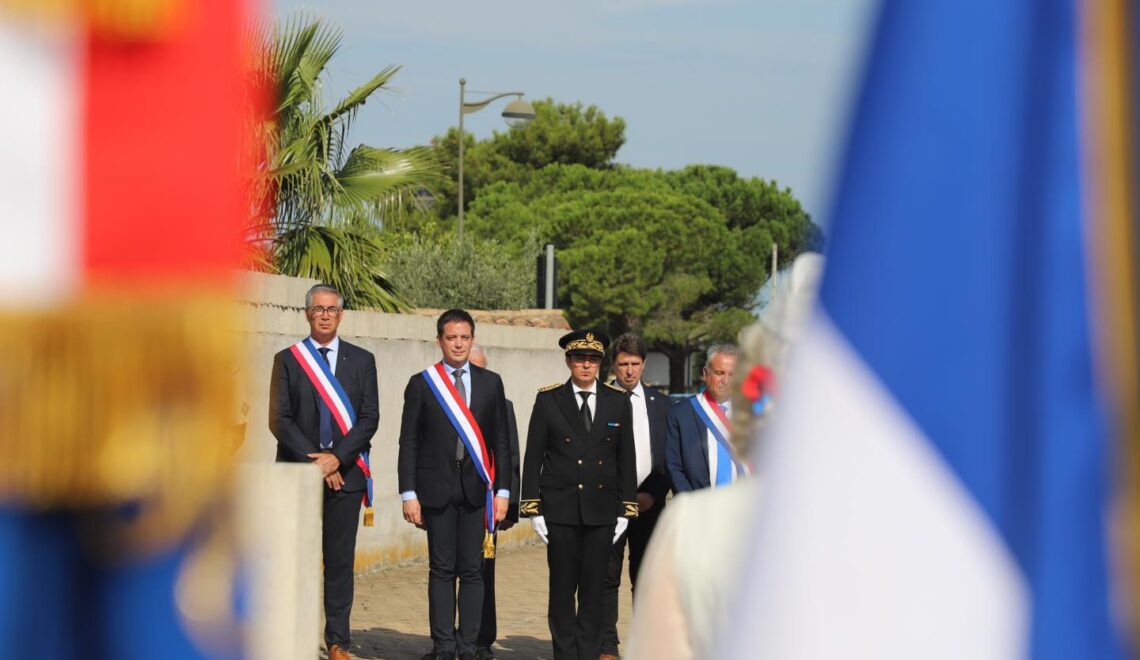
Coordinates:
[518,113]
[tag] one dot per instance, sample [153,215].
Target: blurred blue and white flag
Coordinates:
[939,482]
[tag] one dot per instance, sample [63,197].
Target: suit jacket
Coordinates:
[294,416]
[426,463]
[657,483]
[686,448]
[573,477]
[516,462]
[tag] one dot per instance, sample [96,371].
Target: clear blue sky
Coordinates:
[762,86]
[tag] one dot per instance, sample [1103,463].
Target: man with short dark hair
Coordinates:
[323,409]
[697,450]
[650,409]
[453,437]
[579,488]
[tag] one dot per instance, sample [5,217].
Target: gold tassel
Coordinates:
[488,545]
[369,517]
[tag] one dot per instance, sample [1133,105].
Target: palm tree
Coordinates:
[326,202]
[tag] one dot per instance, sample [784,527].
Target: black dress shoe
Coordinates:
[467,656]
[438,656]
[484,654]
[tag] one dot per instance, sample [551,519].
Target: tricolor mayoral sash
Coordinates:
[328,387]
[472,436]
[724,467]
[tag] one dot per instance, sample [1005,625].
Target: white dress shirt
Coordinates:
[334,350]
[590,400]
[644,449]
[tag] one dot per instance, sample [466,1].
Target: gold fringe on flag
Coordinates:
[488,545]
[120,402]
[128,20]
[1107,71]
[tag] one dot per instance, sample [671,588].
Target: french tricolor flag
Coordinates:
[121,207]
[943,474]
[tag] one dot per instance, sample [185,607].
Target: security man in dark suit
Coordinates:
[441,489]
[302,424]
[489,627]
[579,490]
[650,410]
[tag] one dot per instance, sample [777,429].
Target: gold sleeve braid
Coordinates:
[630,509]
[529,508]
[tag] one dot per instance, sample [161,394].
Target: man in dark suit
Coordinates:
[650,408]
[488,628]
[687,443]
[303,425]
[442,485]
[579,490]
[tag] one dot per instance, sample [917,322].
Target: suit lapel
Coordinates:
[601,413]
[702,435]
[567,402]
[480,392]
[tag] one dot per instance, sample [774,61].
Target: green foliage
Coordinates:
[320,189]
[347,257]
[472,274]
[561,133]
[677,256]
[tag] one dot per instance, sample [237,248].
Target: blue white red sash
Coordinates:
[469,432]
[328,387]
[724,467]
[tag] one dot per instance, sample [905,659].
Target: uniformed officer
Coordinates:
[579,488]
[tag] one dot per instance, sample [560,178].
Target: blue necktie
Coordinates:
[326,414]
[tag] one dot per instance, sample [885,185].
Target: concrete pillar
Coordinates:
[279,517]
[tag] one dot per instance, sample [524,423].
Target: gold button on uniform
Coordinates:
[579,461]
[580,486]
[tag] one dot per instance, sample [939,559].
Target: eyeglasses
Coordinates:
[317,310]
[585,359]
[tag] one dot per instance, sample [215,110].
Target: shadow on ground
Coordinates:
[388,644]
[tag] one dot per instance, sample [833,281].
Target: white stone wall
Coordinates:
[526,358]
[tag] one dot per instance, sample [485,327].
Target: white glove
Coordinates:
[540,527]
[619,529]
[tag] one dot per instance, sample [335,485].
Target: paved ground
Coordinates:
[390,612]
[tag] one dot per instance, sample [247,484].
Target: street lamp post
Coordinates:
[517,113]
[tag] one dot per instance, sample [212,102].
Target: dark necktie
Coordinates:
[462,389]
[326,414]
[587,420]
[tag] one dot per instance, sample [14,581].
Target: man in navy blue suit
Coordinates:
[688,438]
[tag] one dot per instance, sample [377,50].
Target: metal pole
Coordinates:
[462,84]
[549,298]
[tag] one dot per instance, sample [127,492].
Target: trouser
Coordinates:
[637,536]
[338,545]
[488,626]
[577,557]
[455,551]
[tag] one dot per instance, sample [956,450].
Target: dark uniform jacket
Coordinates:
[426,462]
[294,416]
[572,477]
